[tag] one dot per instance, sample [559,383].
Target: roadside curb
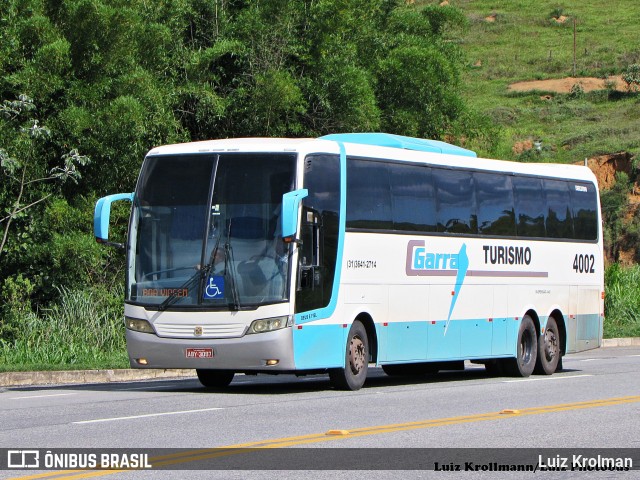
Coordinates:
[621,342]
[70,377]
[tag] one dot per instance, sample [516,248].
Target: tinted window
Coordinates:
[319,230]
[417,198]
[559,222]
[413,198]
[175,180]
[530,206]
[456,209]
[495,204]
[181,222]
[368,195]
[584,201]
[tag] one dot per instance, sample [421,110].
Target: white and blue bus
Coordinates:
[327,255]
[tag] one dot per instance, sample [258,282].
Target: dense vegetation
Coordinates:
[516,41]
[88,86]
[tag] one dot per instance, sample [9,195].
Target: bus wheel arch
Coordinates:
[372,336]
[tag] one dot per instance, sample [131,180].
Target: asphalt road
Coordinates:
[593,403]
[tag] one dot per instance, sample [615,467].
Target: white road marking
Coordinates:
[545,378]
[146,416]
[43,396]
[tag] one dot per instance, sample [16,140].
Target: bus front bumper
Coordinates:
[251,353]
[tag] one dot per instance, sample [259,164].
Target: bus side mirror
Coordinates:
[101,216]
[290,206]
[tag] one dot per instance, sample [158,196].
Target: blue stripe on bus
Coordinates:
[588,327]
[319,346]
[475,338]
[322,346]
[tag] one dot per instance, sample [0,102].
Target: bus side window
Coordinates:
[559,221]
[530,206]
[584,201]
[456,202]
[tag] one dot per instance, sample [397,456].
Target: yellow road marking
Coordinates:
[209,453]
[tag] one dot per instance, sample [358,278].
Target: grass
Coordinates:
[622,302]
[84,331]
[525,43]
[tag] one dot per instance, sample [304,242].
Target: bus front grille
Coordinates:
[219,330]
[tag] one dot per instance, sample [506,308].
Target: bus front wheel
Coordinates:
[214,378]
[354,374]
[525,362]
[548,349]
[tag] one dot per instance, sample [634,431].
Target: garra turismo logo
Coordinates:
[421,262]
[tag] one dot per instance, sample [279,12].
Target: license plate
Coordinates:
[199,353]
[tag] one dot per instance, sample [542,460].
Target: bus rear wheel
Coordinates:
[214,378]
[525,361]
[548,349]
[353,376]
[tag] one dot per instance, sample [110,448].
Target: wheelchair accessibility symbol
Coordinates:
[214,288]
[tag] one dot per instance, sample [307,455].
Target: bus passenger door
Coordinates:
[310,262]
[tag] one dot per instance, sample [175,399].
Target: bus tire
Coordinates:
[353,376]
[214,378]
[525,361]
[559,368]
[548,349]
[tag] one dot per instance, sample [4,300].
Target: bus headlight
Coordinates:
[138,325]
[267,325]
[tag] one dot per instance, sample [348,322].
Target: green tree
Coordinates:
[26,179]
[279,67]
[614,206]
[113,78]
[631,77]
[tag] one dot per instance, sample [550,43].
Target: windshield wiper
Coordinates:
[194,280]
[190,283]
[229,267]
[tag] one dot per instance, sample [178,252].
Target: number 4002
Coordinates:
[584,263]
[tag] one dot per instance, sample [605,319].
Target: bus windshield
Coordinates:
[206,231]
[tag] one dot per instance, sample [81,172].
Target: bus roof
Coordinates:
[384,146]
[398,141]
